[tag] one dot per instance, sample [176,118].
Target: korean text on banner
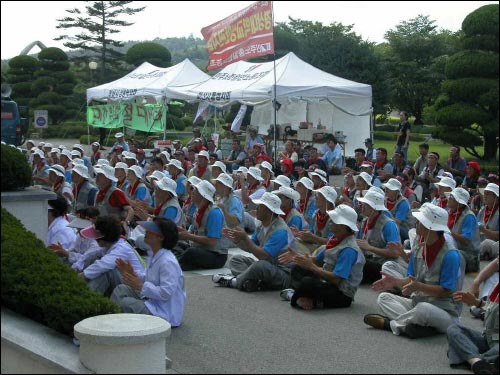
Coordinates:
[243,35]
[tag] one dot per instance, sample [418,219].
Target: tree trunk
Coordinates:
[490,144]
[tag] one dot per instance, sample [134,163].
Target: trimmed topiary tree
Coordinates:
[150,52]
[16,172]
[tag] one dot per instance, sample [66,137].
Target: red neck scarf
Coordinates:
[430,252]
[370,223]
[453,217]
[201,171]
[334,241]
[286,213]
[303,203]
[158,209]
[120,183]
[132,189]
[101,194]
[266,183]
[489,213]
[199,215]
[321,220]
[380,165]
[40,166]
[390,204]
[442,202]
[252,187]
[188,201]
[494,294]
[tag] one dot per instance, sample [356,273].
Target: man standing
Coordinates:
[403,140]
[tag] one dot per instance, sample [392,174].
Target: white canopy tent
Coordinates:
[304,92]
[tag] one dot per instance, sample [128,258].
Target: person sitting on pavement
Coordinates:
[96,153]
[251,190]
[362,184]
[307,200]
[349,189]
[58,231]
[383,168]
[464,229]
[122,182]
[59,184]
[136,190]
[267,174]
[488,223]
[271,237]
[314,161]
[482,285]
[406,191]
[367,167]
[159,291]
[280,180]
[286,167]
[177,174]
[201,169]
[399,207]
[330,279]
[444,186]
[319,178]
[289,197]
[189,207]
[435,271]
[83,191]
[40,169]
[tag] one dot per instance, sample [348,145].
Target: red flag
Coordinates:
[243,35]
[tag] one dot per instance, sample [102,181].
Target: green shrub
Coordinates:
[35,283]
[175,123]
[16,172]
[482,21]
[468,89]
[462,115]
[472,64]
[187,120]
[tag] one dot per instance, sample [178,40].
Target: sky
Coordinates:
[23,22]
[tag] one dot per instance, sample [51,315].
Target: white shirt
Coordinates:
[81,246]
[60,232]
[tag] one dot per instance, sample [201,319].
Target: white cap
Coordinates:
[204,153]
[308,184]
[366,177]
[79,146]
[67,153]
[255,173]
[193,180]
[119,135]
[282,180]
[41,144]
[167,184]
[392,184]
[130,155]
[176,163]
[492,187]
[267,165]
[30,141]
[137,171]
[58,170]
[271,201]
[101,162]
[432,217]
[77,161]
[206,190]
[220,165]
[76,153]
[446,182]
[156,175]
[376,189]
[47,145]
[82,170]
[287,192]
[344,215]
[374,199]
[320,173]
[56,150]
[225,179]
[329,193]
[108,171]
[460,195]
[37,151]
[121,165]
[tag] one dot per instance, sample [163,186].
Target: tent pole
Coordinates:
[275,103]
[165,127]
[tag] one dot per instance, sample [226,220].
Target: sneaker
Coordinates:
[483,367]
[286,294]
[477,312]
[378,321]
[223,280]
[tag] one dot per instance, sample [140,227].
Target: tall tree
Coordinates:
[98,23]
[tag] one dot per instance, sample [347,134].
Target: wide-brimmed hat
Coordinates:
[56,150]
[79,146]
[131,155]
[366,164]
[121,165]
[58,169]
[271,201]
[225,179]
[41,144]
[267,165]
[193,180]
[150,226]
[308,184]
[282,180]
[108,171]
[242,170]
[206,190]
[156,175]
[82,170]
[92,233]
[432,217]
[167,184]
[79,223]
[137,171]
[392,184]
[460,195]
[101,162]
[204,153]
[76,161]
[344,215]
[320,173]
[76,153]
[446,182]
[176,163]
[374,199]
[287,192]
[255,173]
[30,141]
[47,145]
[366,177]
[119,135]
[37,151]
[67,153]
[492,187]
[329,193]
[220,165]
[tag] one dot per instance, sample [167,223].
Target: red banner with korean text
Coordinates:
[243,35]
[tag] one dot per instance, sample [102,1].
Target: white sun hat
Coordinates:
[204,153]
[30,141]
[267,165]
[366,177]
[80,147]
[432,217]
[225,179]
[41,144]
[206,190]
[82,170]
[392,184]
[58,170]
[62,147]
[320,173]
[492,187]
[308,184]
[167,184]
[79,223]
[374,199]
[47,145]
[131,155]
[329,193]
[282,180]
[76,161]
[120,165]
[101,162]
[108,171]
[119,135]
[376,189]
[156,175]
[242,170]
[76,153]
[446,182]
[460,195]
[220,165]
[255,173]
[137,171]
[271,201]
[166,154]
[287,192]
[54,150]
[177,164]
[193,180]
[38,152]
[344,215]
[67,153]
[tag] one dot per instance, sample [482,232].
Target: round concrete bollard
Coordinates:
[123,343]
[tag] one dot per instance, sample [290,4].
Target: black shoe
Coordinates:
[250,286]
[483,367]
[378,321]
[416,331]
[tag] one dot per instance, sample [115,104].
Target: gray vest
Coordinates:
[202,231]
[81,200]
[277,224]
[492,223]
[105,208]
[347,286]
[375,236]
[293,213]
[432,275]
[473,247]
[409,217]
[491,323]
[173,202]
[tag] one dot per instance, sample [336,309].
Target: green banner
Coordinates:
[147,118]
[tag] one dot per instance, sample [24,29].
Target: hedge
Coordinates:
[35,283]
[472,64]
[16,172]
[392,136]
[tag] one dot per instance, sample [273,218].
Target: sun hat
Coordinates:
[131,155]
[374,199]
[446,182]
[58,170]
[176,163]
[206,190]
[67,153]
[121,165]
[282,180]
[47,145]
[492,187]
[150,226]
[255,173]
[344,215]
[79,146]
[242,170]
[271,201]
[366,177]
[446,174]
[225,179]
[167,184]
[102,162]
[96,144]
[41,144]
[56,150]
[308,184]
[460,195]
[366,164]
[108,171]
[287,192]
[220,165]
[432,217]
[92,233]
[392,184]
[38,152]
[204,153]
[267,165]
[329,193]
[79,223]
[82,170]
[166,154]
[30,141]
[119,135]
[193,180]
[76,161]
[137,171]
[156,175]
[62,147]
[320,173]
[76,153]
